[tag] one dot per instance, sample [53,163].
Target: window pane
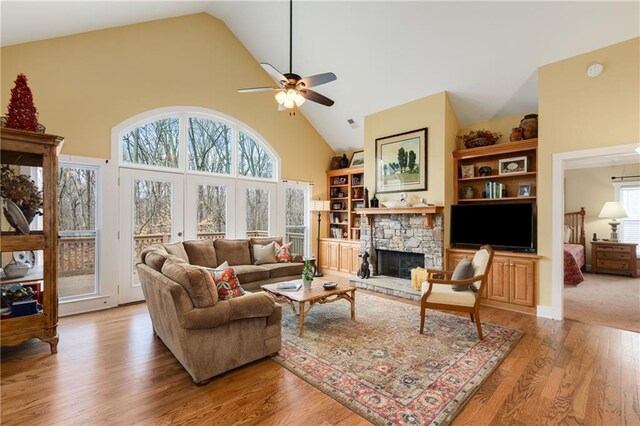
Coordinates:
[153,144]
[630,198]
[209,146]
[296,230]
[257,212]
[253,161]
[77,230]
[212,211]
[152,214]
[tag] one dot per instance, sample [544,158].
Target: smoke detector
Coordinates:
[595,69]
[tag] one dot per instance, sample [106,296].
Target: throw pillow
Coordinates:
[283,253]
[225,265]
[567,233]
[463,271]
[264,254]
[226,283]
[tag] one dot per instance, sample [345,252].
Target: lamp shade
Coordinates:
[319,206]
[612,209]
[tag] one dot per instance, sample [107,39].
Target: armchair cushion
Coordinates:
[444,294]
[195,280]
[251,305]
[463,271]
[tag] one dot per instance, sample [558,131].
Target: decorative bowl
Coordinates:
[478,142]
[330,285]
[395,203]
[16,269]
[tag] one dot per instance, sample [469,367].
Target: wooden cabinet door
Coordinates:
[334,258]
[498,282]
[344,264]
[453,259]
[522,275]
[324,255]
[355,259]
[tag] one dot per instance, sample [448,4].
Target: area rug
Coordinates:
[380,367]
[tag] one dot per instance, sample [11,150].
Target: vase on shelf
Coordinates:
[516,134]
[467,192]
[344,161]
[529,126]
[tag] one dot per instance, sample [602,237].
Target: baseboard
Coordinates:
[544,311]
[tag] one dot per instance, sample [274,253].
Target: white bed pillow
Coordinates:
[568,230]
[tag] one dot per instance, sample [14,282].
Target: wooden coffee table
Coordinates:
[313,296]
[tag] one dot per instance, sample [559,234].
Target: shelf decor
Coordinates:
[478,138]
[512,165]
[401,162]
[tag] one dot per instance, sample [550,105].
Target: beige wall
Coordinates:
[86,84]
[577,113]
[502,125]
[601,190]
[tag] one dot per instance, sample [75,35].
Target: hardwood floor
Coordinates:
[111,370]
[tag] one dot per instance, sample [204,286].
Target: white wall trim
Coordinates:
[560,161]
[544,311]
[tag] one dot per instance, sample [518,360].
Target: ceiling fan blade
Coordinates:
[258,89]
[318,79]
[316,97]
[274,73]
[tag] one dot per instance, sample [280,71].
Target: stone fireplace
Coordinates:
[405,233]
[396,243]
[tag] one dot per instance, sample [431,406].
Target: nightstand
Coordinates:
[614,258]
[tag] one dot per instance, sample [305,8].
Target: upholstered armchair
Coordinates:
[445,290]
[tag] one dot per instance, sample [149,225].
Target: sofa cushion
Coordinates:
[177,249]
[196,281]
[154,256]
[250,273]
[236,252]
[201,252]
[263,241]
[264,254]
[251,305]
[283,253]
[226,283]
[277,270]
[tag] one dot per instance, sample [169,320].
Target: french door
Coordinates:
[151,212]
[210,205]
[255,209]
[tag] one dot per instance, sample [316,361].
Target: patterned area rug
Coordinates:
[380,367]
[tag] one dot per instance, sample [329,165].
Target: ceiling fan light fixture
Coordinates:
[291,95]
[281,97]
[288,103]
[299,100]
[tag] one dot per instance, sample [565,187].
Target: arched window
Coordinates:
[195,140]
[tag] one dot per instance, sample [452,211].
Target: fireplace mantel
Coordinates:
[426,212]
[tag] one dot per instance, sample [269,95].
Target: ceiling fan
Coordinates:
[293,90]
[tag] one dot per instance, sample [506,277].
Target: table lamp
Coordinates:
[613,210]
[318,206]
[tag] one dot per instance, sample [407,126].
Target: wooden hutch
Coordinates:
[23,149]
[339,252]
[514,276]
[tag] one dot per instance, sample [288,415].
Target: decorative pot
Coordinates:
[344,161]
[529,125]
[15,269]
[335,162]
[516,134]
[307,282]
[467,193]
[374,202]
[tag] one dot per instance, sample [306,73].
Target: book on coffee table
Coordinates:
[290,285]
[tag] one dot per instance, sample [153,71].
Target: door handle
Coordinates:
[179,234]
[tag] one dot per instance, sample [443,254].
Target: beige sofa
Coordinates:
[210,336]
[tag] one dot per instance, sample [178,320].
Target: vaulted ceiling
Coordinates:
[385,53]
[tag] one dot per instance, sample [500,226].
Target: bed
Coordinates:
[574,247]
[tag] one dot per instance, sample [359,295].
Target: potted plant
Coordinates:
[482,137]
[23,192]
[307,273]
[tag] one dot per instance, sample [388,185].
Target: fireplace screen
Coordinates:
[398,264]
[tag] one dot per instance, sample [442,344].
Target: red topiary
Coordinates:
[22,114]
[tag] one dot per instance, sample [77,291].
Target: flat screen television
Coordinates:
[500,225]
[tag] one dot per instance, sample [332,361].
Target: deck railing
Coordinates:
[77,252]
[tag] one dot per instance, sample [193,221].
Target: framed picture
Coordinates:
[467,171]
[512,165]
[336,206]
[524,190]
[357,159]
[401,162]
